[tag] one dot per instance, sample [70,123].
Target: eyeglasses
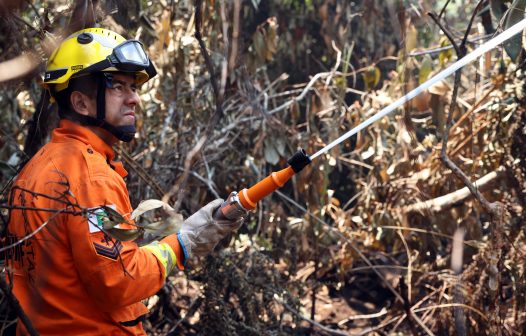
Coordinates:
[119,87]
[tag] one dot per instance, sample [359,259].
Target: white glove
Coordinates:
[201,232]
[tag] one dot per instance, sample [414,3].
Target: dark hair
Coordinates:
[85,84]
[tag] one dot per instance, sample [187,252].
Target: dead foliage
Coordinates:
[378,236]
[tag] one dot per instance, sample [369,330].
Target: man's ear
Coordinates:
[81,103]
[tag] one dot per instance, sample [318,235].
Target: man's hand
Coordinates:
[201,232]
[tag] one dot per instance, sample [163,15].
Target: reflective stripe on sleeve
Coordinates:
[164,253]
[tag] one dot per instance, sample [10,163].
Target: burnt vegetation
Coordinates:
[414,226]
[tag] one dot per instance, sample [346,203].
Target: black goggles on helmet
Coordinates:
[129,56]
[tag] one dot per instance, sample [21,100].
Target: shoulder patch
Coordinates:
[103,244]
[108,248]
[96,218]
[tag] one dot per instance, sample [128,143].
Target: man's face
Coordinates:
[121,100]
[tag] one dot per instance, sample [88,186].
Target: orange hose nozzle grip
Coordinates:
[249,197]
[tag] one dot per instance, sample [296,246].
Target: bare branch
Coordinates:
[314,323]
[443,9]
[15,304]
[494,209]
[214,120]
[444,202]
[460,50]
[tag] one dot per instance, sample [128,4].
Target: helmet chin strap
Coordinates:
[123,133]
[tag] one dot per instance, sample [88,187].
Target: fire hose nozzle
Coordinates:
[231,208]
[299,160]
[247,199]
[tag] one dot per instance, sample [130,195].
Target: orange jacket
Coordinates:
[69,277]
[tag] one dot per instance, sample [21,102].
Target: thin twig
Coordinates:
[407,305]
[15,304]
[190,312]
[457,254]
[303,93]
[440,49]
[382,312]
[166,123]
[336,65]
[224,62]
[441,203]
[30,3]
[141,172]
[316,251]
[235,36]
[494,209]
[19,19]
[460,50]
[409,266]
[450,305]
[219,98]
[37,230]
[179,186]
[443,9]
[343,237]
[360,254]
[214,120]
[393,267]
[438,234]
[209,183]
[19,207]
[312,322]
[62,198]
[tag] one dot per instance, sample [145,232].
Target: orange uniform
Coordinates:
[71,278]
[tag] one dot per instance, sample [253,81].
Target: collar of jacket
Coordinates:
[69,130]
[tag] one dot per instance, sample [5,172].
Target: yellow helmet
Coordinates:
[96,50]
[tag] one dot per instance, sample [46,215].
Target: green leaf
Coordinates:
[496,9]
[425,69]
[112,218]
[259,44]
[515,14]
[411,39]
[371,77]
[445,55]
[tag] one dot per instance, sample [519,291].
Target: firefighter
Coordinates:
[71,277]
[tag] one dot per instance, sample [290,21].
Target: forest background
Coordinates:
[383,235]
